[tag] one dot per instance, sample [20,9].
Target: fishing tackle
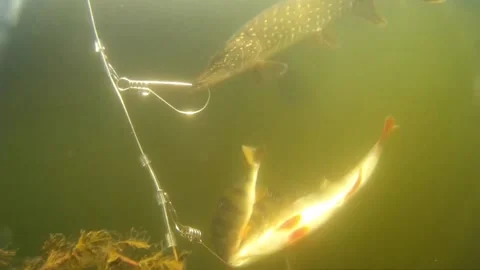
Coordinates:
[121,84]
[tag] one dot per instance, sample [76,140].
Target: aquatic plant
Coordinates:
[102,250]
[6,256]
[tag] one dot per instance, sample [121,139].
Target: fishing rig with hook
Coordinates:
[122,84]
[190,233]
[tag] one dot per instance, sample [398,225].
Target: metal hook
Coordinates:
[124,84]
[142,85]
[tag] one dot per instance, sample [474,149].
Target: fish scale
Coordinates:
[308,213]
[235,208]
[277,28]
[286,23]
[270,32]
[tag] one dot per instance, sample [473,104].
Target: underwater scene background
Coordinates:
[68,160]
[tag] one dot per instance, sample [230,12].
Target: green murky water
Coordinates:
[68,159]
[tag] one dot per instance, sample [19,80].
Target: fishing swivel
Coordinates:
[187,232]
[163,200]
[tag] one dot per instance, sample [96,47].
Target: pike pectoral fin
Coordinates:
[325,38]
[270,69]
[366,9]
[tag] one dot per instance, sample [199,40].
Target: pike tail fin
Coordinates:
[366,9]
[388,128]
[253,155]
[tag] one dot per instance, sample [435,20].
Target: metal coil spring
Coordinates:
[191,234]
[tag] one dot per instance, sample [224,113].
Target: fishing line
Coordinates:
[142,85]
[163,200]
[191,234]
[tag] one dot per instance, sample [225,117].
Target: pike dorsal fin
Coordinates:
[366,9]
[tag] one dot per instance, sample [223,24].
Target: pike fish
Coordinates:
[235,208]
[308,213]
[277,28]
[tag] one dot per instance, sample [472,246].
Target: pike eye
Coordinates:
[218,58]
